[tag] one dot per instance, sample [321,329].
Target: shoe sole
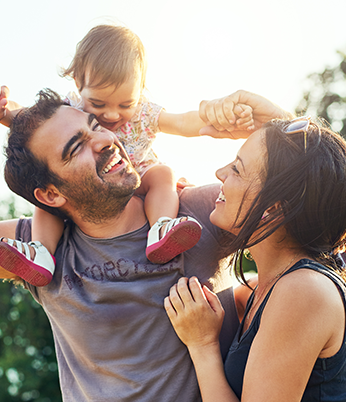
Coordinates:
[13,261]
[180,238]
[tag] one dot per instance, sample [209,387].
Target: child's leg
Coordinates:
[47,229]
[32,261]
[168,236]
[161,198]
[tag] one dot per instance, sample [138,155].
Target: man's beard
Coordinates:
[95,201]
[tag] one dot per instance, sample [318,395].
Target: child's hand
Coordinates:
[242,127]
[219,114]
[182,183]
[8,109]
[3,101]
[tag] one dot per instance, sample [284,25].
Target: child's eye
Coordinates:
[126,107]
[96,106]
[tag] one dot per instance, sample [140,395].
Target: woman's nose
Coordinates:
[221,173]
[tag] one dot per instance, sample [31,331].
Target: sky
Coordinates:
[197,49]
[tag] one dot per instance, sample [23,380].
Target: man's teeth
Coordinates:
[222,197]
[117,158]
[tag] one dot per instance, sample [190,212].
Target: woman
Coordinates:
[284,197]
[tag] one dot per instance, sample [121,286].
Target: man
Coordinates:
[105,302]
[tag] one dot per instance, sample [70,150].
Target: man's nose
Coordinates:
[102,140]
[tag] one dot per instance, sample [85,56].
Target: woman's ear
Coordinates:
[50,196]
[275,209]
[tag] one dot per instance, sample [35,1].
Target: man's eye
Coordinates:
[96,126]
[74,150]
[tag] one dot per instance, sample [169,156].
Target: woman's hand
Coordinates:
[195,313]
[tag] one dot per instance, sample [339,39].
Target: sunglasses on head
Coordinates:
[299,125]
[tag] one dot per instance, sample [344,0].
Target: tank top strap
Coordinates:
[304,263]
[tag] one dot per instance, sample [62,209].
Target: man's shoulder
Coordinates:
[198,200]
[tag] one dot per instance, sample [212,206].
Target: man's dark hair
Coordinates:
[23,171]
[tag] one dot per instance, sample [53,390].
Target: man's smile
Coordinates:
[115,162]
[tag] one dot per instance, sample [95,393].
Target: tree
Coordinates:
[28,368]
[325,96]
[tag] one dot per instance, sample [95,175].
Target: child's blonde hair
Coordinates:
[110,55]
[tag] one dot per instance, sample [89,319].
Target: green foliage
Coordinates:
[325,96]
[28,368]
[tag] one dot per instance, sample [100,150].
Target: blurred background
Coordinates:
[291,52]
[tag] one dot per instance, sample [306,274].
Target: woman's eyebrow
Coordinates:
[241,161]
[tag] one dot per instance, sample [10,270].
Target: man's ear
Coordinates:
[50,196]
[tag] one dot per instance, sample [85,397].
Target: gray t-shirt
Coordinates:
[113,339]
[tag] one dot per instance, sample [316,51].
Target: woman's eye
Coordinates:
[234,168]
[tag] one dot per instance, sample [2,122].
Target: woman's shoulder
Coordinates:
[307,283]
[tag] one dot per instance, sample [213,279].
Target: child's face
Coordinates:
[113,107]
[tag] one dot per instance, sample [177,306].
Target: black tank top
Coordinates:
[328,378]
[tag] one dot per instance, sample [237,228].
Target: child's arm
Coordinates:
[188,124]
[47,229]
[8,109]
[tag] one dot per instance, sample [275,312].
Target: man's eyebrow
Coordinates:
[75,138]
[91,118]
[69,144]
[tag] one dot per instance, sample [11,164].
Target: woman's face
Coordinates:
[242,175]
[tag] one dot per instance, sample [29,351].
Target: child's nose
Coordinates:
[111,115]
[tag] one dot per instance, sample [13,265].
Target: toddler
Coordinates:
[109,69]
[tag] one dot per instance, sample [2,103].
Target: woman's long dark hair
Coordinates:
[309,182]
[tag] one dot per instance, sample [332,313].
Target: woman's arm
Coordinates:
[304,319]
[197,315]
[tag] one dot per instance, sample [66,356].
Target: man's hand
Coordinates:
[220,114]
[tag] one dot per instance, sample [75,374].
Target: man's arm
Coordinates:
[8,229]
[8,109]
[219,113]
